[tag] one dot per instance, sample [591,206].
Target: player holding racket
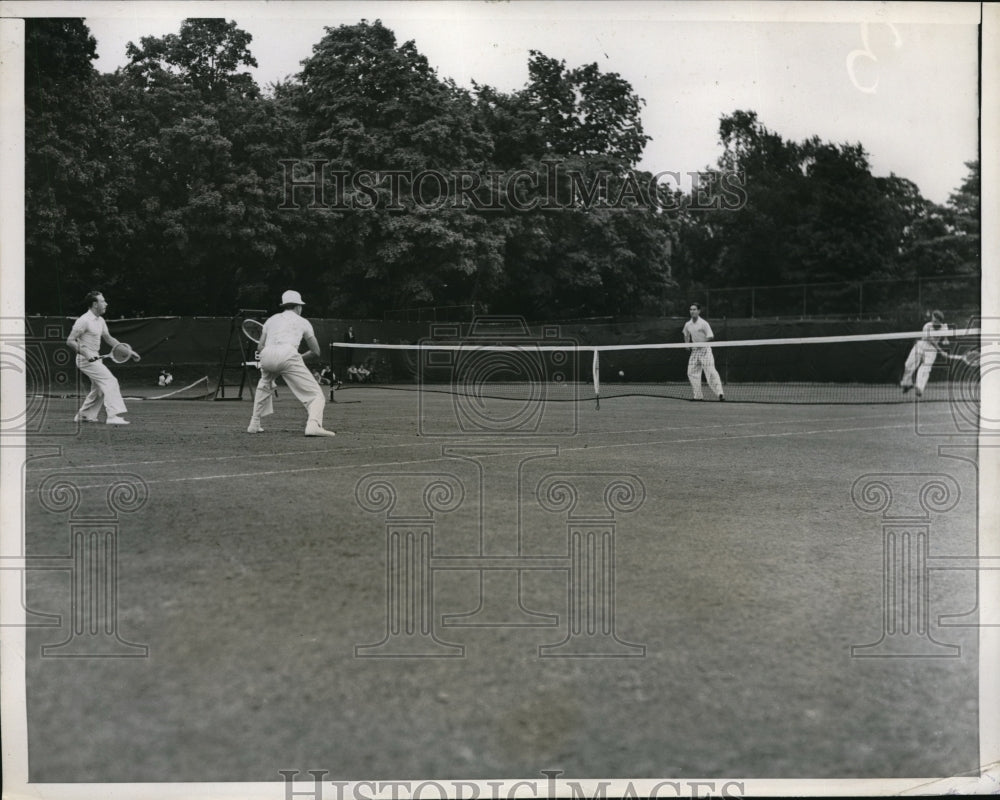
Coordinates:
[85,339]
[924,353]
[278,349]
[698,330]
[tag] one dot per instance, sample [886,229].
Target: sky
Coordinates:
[900,79]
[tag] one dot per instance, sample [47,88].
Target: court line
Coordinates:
[335,467]
[741,436]
[443,440]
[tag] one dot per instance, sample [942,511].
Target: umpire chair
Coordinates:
[237,358]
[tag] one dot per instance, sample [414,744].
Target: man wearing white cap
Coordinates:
[279,345]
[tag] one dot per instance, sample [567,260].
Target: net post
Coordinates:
[596,372]
[333,372]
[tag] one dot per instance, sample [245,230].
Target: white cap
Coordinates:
[292,298]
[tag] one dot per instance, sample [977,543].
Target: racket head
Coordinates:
[253,330]
[122,352]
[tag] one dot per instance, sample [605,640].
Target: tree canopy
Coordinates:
[370,183]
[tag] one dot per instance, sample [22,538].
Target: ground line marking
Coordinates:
[503,454]
[290,453]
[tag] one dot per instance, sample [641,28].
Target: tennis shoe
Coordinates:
[117,421]
[722,398]
[254,428]
[316,430]
[906,389]
[80,418]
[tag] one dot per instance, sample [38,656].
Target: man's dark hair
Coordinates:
[696,305]
[91,297]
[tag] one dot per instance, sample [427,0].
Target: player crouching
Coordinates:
[280,340]
[924,353]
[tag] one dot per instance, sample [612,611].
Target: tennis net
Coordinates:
[857,369]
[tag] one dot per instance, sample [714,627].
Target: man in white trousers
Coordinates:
[924,353]
[279,345]
[698,330]
[85,339]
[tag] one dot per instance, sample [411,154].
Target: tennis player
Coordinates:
[698,330]
[924,353]
[85,339]
[279,345]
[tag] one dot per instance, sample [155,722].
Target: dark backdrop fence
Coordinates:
[193,347]
[891,299]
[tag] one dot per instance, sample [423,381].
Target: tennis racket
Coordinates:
[970,357]
[120,353]
[253,330]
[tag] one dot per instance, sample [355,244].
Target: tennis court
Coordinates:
[256,574]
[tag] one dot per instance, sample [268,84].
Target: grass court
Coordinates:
[253,573]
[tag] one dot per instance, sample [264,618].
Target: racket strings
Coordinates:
[253,330]
[122,352]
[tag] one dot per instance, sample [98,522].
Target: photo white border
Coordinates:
[12,386]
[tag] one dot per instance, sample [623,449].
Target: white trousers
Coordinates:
[104,390]
[702,360]
[287,364]
[919,361]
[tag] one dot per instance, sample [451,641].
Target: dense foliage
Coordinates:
[369,183]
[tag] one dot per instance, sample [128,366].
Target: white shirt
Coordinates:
[88,331]
[287,329]
[929,336]
[699,331]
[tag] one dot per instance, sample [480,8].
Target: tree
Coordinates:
[194,135]
[365,103]
[964,221]
[813,213]
[206,54]
[566,254]
[66,164]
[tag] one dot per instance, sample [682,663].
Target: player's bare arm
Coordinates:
[73,342]
[107,337]
[110,340]
[313,346]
